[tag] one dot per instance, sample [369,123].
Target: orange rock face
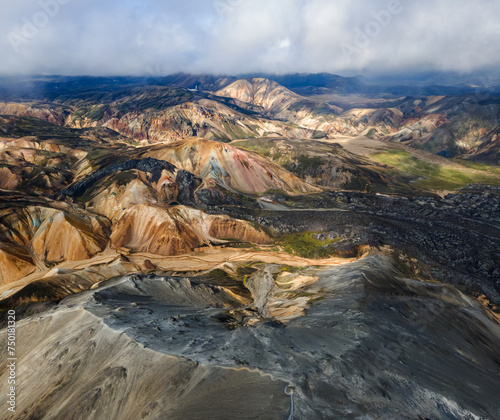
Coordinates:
[8,180]
[68,237]
[177,230]
[47,236]
[15,263]
[223,227]
[145,228]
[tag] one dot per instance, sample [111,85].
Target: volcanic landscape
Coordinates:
[305,246]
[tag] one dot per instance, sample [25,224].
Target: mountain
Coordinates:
[275,100]
[228,166]
[451,126]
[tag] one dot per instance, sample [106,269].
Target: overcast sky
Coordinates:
[157,37]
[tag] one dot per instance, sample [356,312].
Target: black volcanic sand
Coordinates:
[373,344]
[455,240]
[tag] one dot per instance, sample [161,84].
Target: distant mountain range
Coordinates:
[52,87]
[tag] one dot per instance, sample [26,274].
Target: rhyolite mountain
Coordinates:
[273,247]
[453,122]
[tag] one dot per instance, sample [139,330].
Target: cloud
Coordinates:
[132,37]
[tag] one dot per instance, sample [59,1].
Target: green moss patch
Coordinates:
[431,176]
[307,245]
